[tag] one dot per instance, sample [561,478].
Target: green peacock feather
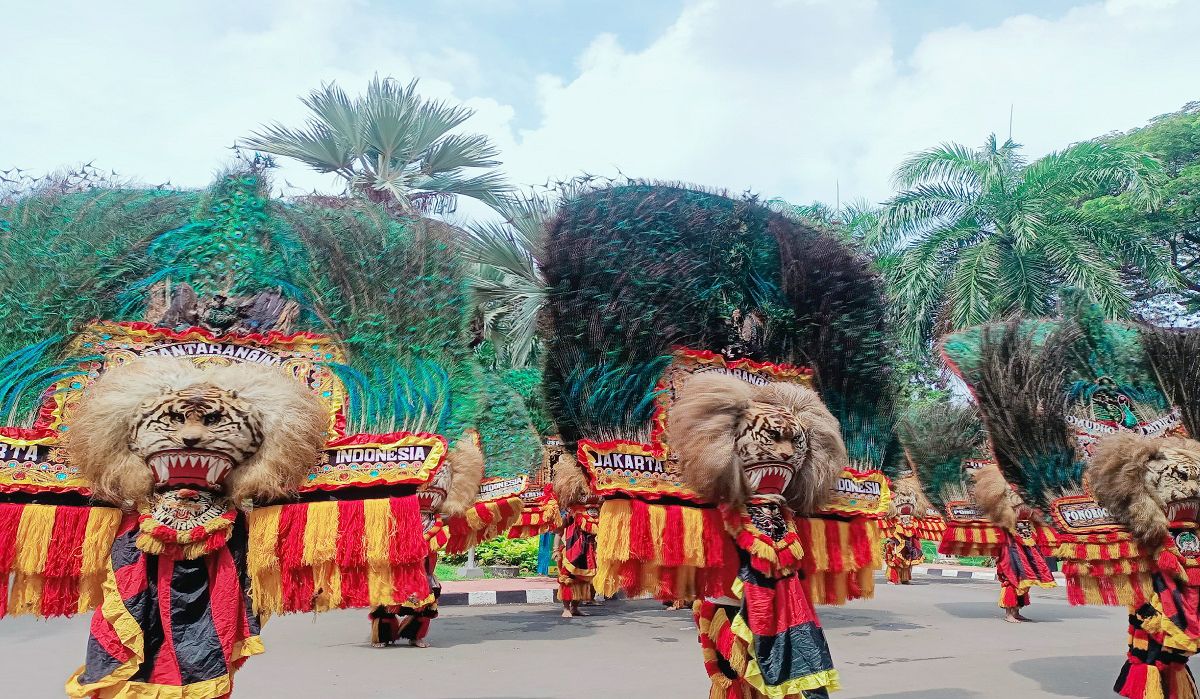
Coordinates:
[392,292]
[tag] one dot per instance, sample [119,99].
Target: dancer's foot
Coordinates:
[1021,617]
[567,614]
[1012,616]
[379,645]
[418,643]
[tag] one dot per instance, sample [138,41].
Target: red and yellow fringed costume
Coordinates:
[576,557]
[1020,566]
[762,638]
[902,549]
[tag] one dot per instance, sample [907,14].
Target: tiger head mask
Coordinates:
[1147,483]
[243,431]
[735,440]
[455,484]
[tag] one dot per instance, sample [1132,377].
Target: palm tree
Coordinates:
[982,234]
[507,282]
[390,146]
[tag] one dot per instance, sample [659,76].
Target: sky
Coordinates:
[803,99]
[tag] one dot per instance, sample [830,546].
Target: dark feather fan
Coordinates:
[1173,355]
[636,271]
[1020,383]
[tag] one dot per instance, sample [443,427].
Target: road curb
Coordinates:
[967,574]
[491,598]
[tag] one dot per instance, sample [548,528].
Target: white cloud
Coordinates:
[785,97]
[794,98]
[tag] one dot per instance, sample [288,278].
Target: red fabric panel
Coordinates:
[166,665]
[225,600]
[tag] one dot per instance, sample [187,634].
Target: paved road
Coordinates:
[937,639]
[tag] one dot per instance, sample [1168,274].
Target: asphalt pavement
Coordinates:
[935,639]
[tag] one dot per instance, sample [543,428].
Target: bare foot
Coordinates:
[567,614]
[1021,617]
[418,643]
[379,645]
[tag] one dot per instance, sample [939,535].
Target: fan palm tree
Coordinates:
[982,234]
[390,146]
[507,282]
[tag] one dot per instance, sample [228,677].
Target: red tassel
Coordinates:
[1168,562]
[717,546]
[1075,592]
[64,559]
[407,544]
[296,580]
[410,581]
[666,582]
[351,553]
[672,538]
[860,540]
[641,542]
[292,520]
[352,538]
[10,519]
[3,594]
[833,542]
[1135,679]
[629,575]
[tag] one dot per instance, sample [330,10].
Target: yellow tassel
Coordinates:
[693,536]
[327,586]
[320,533]
[264,535]
[866,582]
[150,545]
[820,552]
[378,527]
[98,540]
[843,530]
[91,589]
[876,548]
[1153,683]
[379,584]
[266,585]
[816,586]
[26,595]
[474,522]
[658,523]
[612,535]
[33,539]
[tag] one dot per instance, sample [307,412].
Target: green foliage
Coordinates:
[1174,139]
[984,234]
[391,147]
[522,553]
[527,383]
[511,445]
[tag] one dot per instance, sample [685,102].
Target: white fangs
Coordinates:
[756,473]
[215,466]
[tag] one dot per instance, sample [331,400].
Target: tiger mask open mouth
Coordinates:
[155,425]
